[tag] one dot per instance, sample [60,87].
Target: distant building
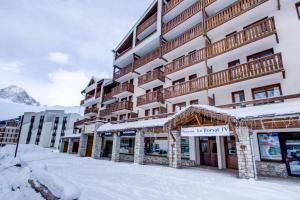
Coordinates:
[46,128]
[9,131]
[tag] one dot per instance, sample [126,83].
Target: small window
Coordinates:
[238,97]
[266,92]
[192,77]
[155,111]
[179,106]
[259,55]
[194,102]
[298,9]
[233,63]
[147,113]
[179,81]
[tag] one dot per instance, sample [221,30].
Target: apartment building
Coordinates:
[46,128]
[206,83]
[9,131]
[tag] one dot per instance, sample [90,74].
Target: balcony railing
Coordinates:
[170,5]
[151,20]
[246,36]
[231,12]
[123,105]
[186,14]
[105,112]
[91,110]
[125,87]
[184,38]
[122,72]
[107,97]
[83,121]
[156,74]
[147,58]
[257,68]
[150,97]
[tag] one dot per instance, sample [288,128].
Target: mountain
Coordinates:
[17,95]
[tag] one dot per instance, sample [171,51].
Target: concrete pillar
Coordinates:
[70,146]
[244,154]
[97,145]
[139,148]
[82,145]
[61,146]
[220,151]
[116,148]
[174,149]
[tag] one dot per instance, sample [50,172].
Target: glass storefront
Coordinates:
[269,146]
[127,146]
[156,146]
[185,148]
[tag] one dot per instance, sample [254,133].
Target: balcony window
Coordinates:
[298,9]
[156,146]
[179,106]
[234,63]
[267,92]
[177,82]
[147,113]
[260,55]
[192,77]
[238,97]
[155,111]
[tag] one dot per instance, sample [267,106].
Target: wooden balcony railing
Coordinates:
[182,39]
[170,5]
[151,20]
[150,97]
[125,87]
[83,121]
[122,72]
[251,34]
[107,97]
[230,12]
[105,112]
[186,14]
[91,110]
[208,2]
[123,105]
[156,74]
[118,55]
[257,68]
[156,53]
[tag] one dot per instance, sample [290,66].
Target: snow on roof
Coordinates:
[72,136]
[151,123]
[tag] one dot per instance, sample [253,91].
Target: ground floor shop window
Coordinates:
[185,149]
[156,146]
[127,146]
[269,146]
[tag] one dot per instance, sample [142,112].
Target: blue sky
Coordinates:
[52,47]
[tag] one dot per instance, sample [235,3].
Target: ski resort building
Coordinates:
[206,83]
[9,131]
[46,128]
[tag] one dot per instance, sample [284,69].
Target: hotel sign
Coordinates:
[206,131]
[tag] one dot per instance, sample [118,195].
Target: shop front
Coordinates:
[127,143]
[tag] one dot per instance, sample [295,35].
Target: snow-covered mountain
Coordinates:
[17,95]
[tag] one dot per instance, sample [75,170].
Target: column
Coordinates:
[97,145]
[244,154]
[174,149]
[70,146]
[61,146]
[116,148]
[82,145]
[220,152]
[139,148]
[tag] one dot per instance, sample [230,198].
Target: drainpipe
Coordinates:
[253,156]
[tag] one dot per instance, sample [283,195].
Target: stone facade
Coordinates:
[174,153]
[159,160]
[139,149]
[97,145]
[116,148]
[126,157]
[244,154]
[70,146]
[82,145]
[271,169]
[188,163]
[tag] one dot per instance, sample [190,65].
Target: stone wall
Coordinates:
[160,160]
[271,169]
[188,163]
[126,157]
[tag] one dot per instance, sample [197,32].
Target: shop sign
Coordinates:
[126,133]
[106,134]
[206,131]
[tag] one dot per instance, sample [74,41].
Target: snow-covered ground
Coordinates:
[96,179]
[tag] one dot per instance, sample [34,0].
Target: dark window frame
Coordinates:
[266,88]
[298,9]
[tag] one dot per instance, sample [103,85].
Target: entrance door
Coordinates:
[75,147]
[66,144]
[230,152]
[107,149]
[209,154]
[293,156]
[89,147]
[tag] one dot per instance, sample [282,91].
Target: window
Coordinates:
[155,111]
[147,113]
[179,106]
[260,55]
[156,146]
[192,77]
[194,102]
[185,148]
[298,9]
[122,117]
[233,63]
[267,92]
[269,146]
[179,81]
[127,146]
[238,97]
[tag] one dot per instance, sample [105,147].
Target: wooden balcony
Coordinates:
[254,69]
[151,20]
[170,5]
[182,39]
[105,112]
[154,75]
[123,88]
[179,19]
[253,33]
[147,58]
[107,97]
[119,106]
[91,111]
[151,97]
[83,121]
[123,71]
[232,11]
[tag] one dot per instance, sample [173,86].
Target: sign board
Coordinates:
[206,131]
[126,133]
[106,134]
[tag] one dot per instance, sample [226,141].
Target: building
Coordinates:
[188,67]
[46,128]
[9,131]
